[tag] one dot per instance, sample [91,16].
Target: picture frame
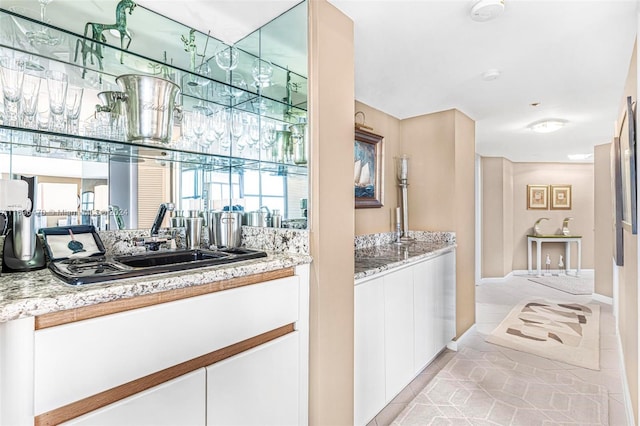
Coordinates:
[537,197]
[368,169]
[560,197]
[616,191]
[627,139]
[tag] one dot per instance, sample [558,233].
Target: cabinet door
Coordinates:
[257,387]
[369,366]
[180,401]
[398,331]
[448,265]
[424,305]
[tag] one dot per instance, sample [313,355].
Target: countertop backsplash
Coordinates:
[371,240]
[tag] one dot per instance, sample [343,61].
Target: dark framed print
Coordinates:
[367,169]
[628,167]
[616,190]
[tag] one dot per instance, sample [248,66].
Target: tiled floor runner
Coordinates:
[487,388]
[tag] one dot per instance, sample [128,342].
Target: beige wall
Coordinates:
[628,276]
[604,221]
[441,149]
[377,220]
[331,94]
[497,214]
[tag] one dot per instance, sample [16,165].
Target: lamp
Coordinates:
[402,173]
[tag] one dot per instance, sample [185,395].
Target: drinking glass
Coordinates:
[268,139]
[57,84]
[236,128]
[253,129]
[12,75]
[227,60]
[199,122]
[219,125]
[262,71]
[29,99]
[73,103]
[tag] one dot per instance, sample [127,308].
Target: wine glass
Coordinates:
[227,60]
[199,122]
[269,138]
[253,129]
[236,128]
[42,36]
[220,129]
[262,72]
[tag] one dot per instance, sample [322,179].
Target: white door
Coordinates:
[424,304]
[180,401]
[257,387]
[369,366]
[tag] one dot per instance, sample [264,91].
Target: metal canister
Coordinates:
[227,229]
[299,141]
[282,146]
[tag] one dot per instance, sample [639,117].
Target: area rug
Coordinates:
[487,388]
[566,332]
[567,283]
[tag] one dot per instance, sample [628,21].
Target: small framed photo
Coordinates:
[367,169]
[537,197]
[560,197]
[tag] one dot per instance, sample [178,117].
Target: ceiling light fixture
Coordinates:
[547,126]
[486,10]
[491,74]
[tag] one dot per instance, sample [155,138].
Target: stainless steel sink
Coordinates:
[98,269]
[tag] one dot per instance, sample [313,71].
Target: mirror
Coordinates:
[135,187]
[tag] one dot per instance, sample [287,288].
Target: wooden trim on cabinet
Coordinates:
[102,399]
[93,311]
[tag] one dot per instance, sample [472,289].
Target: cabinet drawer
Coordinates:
[77,360]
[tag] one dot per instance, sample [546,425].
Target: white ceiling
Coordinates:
[422,56]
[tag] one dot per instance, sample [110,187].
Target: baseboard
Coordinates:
[625,385]
[495,279]
[604,299]
[525,273]
[453,345]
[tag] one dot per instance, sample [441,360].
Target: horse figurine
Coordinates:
[95,47]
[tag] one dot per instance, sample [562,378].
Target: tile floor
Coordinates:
[493,303]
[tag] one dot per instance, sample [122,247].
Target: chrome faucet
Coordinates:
[162,210]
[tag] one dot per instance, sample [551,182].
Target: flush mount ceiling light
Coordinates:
[485,10]
[547,126]
[491,74]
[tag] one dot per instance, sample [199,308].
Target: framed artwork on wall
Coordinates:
[616,182]
[367,169]
[537,197]
[627,139]
[560,197]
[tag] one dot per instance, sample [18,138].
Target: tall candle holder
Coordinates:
[402,171]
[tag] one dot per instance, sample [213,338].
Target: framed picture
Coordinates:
[537,197]
[628,167]
[616,183]
[367,169]
[560,197]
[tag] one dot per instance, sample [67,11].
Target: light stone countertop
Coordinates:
[25,294]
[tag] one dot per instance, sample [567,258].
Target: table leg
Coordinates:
[567,255]
[579,257]
[538,258]
[529,255]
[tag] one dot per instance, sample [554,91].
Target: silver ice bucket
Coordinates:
[149,103]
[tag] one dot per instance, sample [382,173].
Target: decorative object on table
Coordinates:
[566,332]
[617,193]
[547,265]
[367,169]
[402,172]
[94,47]
[536,226]
[565,226]
[561,266]
[537,197]
[627,139]
[560,197]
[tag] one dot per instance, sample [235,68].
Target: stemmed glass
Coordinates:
[199,122]
[262,72]
[219,127]
[12,73]
[227,60]
[236,128]
[29,99]
[269,138]
[42,36]
[72,106]
[253,129]
[57,84]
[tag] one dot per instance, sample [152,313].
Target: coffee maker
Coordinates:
[23,250]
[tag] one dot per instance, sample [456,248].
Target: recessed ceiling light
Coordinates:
[579,157]
[535,104]
[547,126]
[485,10]
[491,74]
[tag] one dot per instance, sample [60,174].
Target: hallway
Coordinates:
[493,303]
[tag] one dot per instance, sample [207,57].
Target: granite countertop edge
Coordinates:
[35,293]
[369,273]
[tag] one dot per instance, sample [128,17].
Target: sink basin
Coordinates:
[92,270]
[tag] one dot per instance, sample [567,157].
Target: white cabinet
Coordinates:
[403,319]
[398,330]
[369,366]
[256,387]
[180,401]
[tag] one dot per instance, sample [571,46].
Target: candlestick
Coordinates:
[397,215]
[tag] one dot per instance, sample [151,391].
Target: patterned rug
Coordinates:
[566,332]
[567,283]
[487,388]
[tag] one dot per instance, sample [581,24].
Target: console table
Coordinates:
[566,239]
